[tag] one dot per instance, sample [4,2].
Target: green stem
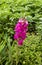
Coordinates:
[16,55]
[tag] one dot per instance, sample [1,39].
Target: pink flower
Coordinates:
[20,42]
[20,30]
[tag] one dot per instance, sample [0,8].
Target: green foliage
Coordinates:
[11,10]
[31,51]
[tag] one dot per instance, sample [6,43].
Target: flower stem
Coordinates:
[17,54]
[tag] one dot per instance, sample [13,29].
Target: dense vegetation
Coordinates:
[31,51]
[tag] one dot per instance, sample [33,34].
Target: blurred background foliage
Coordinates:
[31,51]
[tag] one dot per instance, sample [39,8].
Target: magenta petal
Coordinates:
[15,36]
[20,42]
[20,30]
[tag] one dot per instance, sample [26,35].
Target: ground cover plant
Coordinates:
[31,51]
